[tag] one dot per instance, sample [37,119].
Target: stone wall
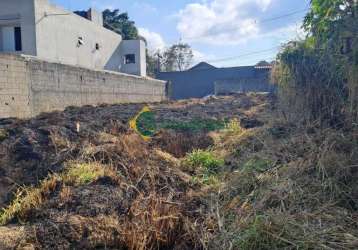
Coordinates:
[29,86]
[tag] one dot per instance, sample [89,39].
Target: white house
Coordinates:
[48,32]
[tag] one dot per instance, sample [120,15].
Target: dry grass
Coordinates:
[280,186]
[296,191]
[28,199]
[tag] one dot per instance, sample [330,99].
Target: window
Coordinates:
[129,59]
[18,42]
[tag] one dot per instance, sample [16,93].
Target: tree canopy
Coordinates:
[177,57]
[120,23]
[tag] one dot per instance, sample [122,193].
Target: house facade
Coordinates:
[205,79]
[48,32]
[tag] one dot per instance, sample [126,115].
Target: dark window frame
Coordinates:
[129,59]
[18,38]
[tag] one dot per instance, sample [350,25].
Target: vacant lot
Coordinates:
[219,173]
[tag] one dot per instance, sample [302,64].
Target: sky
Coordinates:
[224,33]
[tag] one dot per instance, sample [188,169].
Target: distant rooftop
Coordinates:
[202,66]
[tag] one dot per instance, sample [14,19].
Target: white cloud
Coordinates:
[155,40]
[221,21]
[201,57]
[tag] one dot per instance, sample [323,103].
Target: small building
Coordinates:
[204,79]
[48,32]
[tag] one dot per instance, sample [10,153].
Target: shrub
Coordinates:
[3,134]
[234,126]
[205,160]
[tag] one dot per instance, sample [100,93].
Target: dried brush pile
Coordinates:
[117,194]
[289,187]
[72,182]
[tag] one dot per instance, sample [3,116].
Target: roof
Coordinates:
[202,66]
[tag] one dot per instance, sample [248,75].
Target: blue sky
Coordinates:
[216,29]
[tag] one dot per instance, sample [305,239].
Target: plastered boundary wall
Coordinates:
[29,86]
[229,86]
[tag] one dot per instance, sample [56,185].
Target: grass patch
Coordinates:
[83,173]
[234,127]
[206,166]
[31,198]
[147,125]
[3,134]
[206,160]
[257,165]
[258,236]
[27,199]
[195,125]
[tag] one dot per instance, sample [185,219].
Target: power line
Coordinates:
[283,16]
[256,21]
[244,55]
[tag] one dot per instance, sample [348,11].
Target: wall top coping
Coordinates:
[28,58]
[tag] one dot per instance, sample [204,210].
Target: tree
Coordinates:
[178,57]
[328,17]
[120,23]
[153,63]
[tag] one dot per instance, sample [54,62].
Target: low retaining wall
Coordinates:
[29,86]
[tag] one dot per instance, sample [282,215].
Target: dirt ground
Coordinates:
[141,200]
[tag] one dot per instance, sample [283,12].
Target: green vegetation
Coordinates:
[205,165]
[30,198]
[27,199]
[318,76]
[3,134]
[257,236]
[195,125]
[234,126]
[120,23]
[148,126]
[257,164]
[206,160]
[82,173]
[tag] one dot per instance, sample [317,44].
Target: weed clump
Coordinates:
[234,126]
[3,134]
[83,173]
[205,160]
[205,166]
[27,199]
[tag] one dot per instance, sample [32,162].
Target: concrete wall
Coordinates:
[52,33]
[229,86]
[201,82]
[20,13]
[57,34]
[14,87]
[136,47]
[29,86]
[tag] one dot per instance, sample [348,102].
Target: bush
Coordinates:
[317,76]
[234,126]
[205,160]
[3,134]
